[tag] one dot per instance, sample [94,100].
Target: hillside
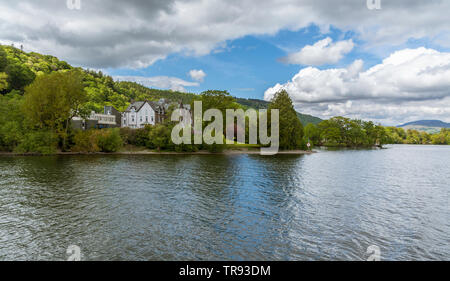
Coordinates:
[429,126]
[18,69]
[261,104]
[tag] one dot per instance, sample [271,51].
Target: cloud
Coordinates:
[163,82]
[410,83]
[197,75]
[322,52]
[136,33]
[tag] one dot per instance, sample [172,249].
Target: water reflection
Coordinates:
[330,205]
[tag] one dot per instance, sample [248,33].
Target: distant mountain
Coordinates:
[429,126]
[427,123]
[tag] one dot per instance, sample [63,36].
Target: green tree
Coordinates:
[42,141]
[220,100]
[11,121]
[160,137]
[51,101]
[312,134]
[3,81]
[109,140]
[3,59]
[19,76]
[291,129]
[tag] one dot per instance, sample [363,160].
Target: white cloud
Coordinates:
[322,52]
[163,82]
[197,75]
[411,83]
[137,33]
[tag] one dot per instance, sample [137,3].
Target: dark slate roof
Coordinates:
[139,104]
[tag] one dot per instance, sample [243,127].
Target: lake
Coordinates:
[330,205]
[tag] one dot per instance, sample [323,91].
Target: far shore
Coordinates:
[147,152]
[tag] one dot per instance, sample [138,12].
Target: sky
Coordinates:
[381,60]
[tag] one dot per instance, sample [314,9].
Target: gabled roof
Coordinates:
[139,104]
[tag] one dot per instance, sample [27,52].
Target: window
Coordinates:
[140,118]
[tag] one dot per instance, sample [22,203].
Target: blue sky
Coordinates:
[248,66]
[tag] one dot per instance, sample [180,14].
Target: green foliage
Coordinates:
[215,148]
[442,138]
[106,140]
[136,137]
[52,100]
[261,104]
[341,131]
[11,121]
[160,138]
[85,141]
[397,135]
[291,129]
[3,59]
[135,91]
[312,134]
[42,142]
[109,140]
[3,81]
[214,99]
[19,76]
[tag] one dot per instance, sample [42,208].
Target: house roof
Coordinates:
[139,104]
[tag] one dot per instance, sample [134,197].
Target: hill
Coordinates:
[18,69]
[429,126]
[261,104]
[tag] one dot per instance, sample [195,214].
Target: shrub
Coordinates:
[43,142]
[137,137]
[85,141]
[215,148]
[160,138]
[109,140]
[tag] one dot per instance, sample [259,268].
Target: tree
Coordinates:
[160,137]
[51,101]
[291,129]
[216,99]
[3,59]
[19,76]
[312,134]
[11,121]
[3,81]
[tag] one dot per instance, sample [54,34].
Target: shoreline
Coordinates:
[226,152]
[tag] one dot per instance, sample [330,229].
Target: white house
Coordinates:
[142,113]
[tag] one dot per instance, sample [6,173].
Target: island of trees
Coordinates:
[39,96]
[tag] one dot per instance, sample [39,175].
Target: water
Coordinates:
[330,205]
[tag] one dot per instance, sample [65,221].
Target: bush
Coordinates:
[215,148]
[43,142]
[107,140]
[160,138]
[137,137]
[85,141]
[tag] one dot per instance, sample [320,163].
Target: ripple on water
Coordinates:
[329,205]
